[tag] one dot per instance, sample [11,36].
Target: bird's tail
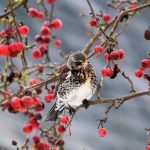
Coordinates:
[53,114]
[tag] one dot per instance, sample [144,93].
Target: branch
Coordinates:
[117,99]
[125,12]
[14,8]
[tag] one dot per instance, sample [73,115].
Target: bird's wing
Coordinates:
[60,81]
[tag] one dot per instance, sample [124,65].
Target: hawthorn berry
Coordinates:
[46,38]
[57,43]
[32,12]
[27,101]
[36,54]
[46,23]
[98,49]
[4,50]
[56,24]
[93,22]
[27,128]
[102,132]
[60,129]
[45,30]
[132,6]
[64,120]
[34,122]
[16,47]
[61,142]
[38,116]
[14,143]
[139,73]
[148,147]
[16,104]
[39,106]
[121,54]
[33,82]
[147,34]
[145,64]
[40,15]
[106,57]
[42,145]
[36,139]
[115,55]
[38,38]
[24,30]
[49,97]
[106,72]
[106,17]
[50,1]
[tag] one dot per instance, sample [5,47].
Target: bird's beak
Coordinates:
[85,63]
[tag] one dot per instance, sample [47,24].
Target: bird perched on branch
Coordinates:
[74,87]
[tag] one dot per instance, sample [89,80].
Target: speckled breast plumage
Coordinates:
[76,86]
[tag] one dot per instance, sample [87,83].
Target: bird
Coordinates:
[75,87]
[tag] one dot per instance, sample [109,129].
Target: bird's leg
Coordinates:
[98,91]
[85,103]
[71,110]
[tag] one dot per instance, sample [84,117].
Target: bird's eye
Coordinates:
[78,63]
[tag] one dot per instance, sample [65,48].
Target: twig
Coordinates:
[14,8]
[130,81]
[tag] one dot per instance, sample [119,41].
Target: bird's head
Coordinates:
[77,61]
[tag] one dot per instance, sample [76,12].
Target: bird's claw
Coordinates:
[85,103]
[71,110]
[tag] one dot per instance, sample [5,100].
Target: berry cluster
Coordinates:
[45,37]
[105,17]
[143,68]
[34,13]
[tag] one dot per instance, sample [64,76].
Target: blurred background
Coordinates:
[126,125]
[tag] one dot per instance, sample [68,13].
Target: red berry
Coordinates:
[57,43]
[32,12]
[45,30]
[46,23]
[93,22]
[49,97]
[4,50]
[139,73]
[64,119]
[106,72]
[148,147]
[38,38]
[60,129]
[27,101]
[27,128]
[106,57]
[40,15]
[46,38]
[36,139]
[121,54]
[132,6]
[106,17]
[36,54]
[16,104]
[145,64]
[61,142]
[50,1]
[34,122]
[115,55]
[16,47]
[42,146]
[24,30]
[56,24]
[39,106]
[98,49]
[33,82]
[102,132]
